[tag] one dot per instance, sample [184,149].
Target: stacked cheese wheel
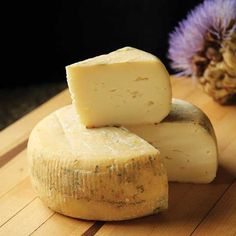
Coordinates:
[110,154]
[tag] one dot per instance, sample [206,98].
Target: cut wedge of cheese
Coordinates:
[125,87]
[96,174]
[186,141]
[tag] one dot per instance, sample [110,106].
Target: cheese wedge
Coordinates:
[95,174]
[125,87]
[186,141]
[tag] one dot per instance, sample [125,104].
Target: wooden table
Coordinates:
[193,209]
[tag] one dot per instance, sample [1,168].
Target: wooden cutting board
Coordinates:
[193,209]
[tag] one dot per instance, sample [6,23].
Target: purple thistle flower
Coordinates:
[187,40]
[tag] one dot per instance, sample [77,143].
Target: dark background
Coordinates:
[46,36]
[39,38]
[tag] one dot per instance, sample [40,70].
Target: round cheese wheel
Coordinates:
[97,174]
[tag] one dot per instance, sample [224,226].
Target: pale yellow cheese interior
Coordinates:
[125,87]
[97,174]
[186,141]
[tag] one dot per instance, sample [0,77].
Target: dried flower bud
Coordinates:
[204,45]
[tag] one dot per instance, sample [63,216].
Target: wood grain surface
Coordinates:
[194,209]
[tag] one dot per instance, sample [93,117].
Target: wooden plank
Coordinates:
[226,129]
[182,87]
[21,196]
[14,138]
[27,220]
[228,160]
[15,200]
[188,204]
[226,138]
[198,96]
[222,219]
[17,194]
[15,171]
[92,230]
[13,152]
[61,225]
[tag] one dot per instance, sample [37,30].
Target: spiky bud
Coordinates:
[204,46]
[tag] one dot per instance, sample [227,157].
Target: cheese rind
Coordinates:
[186,141]
[125,87]
[96,174]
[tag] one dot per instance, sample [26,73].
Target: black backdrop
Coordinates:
[46,36]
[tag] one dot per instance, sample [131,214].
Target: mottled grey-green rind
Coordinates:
[182,111]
